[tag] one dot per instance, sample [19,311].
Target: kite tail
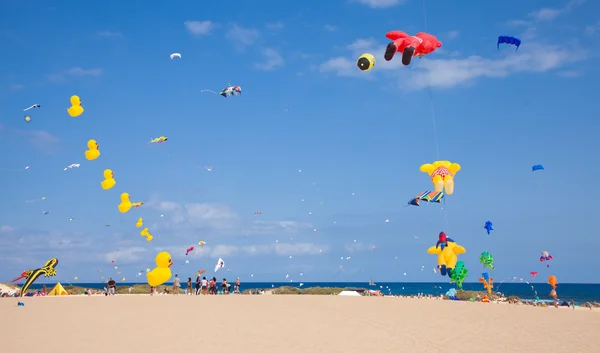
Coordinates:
[207,90]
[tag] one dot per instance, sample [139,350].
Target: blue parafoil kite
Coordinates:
[489,227]
[509,40]
[537,167]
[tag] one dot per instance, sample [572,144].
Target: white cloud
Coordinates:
[241,35]
[127,256]
[225,250]
[6,229]
[569,73]
[199,28]
[271,60]
[452,34]
[593,29]
[549,14]
[358,247]
[380,4]
[331,28]
[275,25]
[198,215]
[42,140]
[442,72]
[77,71]
[276,227]
[109,34]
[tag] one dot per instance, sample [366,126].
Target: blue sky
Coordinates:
[357,137]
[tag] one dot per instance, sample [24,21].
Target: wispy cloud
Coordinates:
[198,215]
[199,28]
[446,73]
[16,87]
[129,255]
[380,4]
[275,25]
[74,72]
[358,247]
[569,73]
[109,34]
[242,36]
[593,29]
[271,60]
[78,71]
[41,140]
[549,14]
[279,249]
[452,34]
[330,28]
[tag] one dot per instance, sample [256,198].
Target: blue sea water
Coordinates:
[580,293]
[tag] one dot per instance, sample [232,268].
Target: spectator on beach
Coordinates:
[189,286]
[44,290]
[212,286]
[198,281]
[236,289]
[224,286]
[112,286]
[573,304]
[176,285]
[204,284]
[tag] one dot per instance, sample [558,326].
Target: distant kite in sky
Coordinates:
[509,40]
[32,107]
[537,167]
[489,227]
[175,55]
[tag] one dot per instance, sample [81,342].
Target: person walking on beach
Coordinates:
[189,286]
[176,285]
[204,284]
[198,281]
[573,304]
[112,286]
[224,286]
[236,289]
[212,286]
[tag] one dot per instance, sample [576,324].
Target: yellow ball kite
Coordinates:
[442,175]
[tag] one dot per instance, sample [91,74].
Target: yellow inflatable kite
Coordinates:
[162,272]
[76,109]
[447,256]
[92,152]
[109,180]
[125,204]
[442,175]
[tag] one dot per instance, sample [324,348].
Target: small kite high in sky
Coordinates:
[228,91]
[32,107]
[71,166]
[160,139]
[537,167]
[175,55]
[509,40]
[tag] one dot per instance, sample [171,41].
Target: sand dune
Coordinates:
[308,324]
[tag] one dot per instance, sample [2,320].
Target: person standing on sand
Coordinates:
[112,286]
[189,286]
[176,285]
[44,290]
[197,285]
[236,289]
[573,304]
[204,283]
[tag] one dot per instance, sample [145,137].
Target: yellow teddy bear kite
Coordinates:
[442,175]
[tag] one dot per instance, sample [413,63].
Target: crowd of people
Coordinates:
[202,286]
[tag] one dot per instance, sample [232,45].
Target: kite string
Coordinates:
[431,104]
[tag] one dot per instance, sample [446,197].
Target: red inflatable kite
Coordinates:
[533,275]
[418,45]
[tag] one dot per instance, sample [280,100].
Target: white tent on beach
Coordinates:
[350,293]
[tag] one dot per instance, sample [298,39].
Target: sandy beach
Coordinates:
[261,324]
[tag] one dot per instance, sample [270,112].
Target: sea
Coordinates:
[580,293]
